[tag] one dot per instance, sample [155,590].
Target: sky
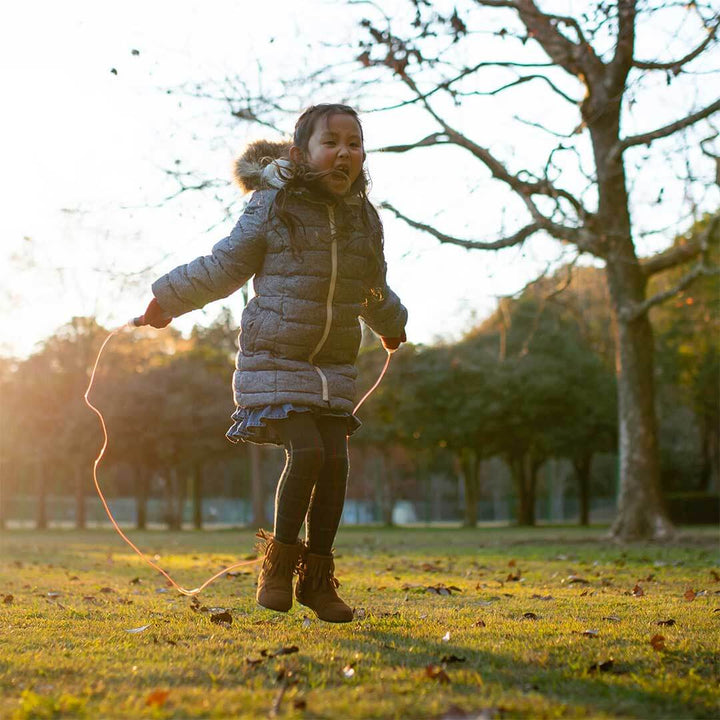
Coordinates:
[97,111]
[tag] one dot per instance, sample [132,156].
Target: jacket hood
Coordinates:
[257,167]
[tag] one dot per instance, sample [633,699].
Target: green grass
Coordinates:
[70,655]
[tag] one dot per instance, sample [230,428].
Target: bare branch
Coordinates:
[676,65]
[681,253]
[510,241]
[576,58]
[632,313]
[648,137]
[433,139]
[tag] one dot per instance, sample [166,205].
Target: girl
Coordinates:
[314,244]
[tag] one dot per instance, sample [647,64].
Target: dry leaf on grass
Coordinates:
[670,622]
[435,672]
[530,616]
[479,623]
[221,618]
[690,595]
[348,671]
[612,618]
[637,591]
[157,698]
[715,576]
[590,633]
[657,642]
[7,599]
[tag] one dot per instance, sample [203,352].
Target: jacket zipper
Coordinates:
[328,304]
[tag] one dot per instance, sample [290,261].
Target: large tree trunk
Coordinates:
[582,466]
[640,510]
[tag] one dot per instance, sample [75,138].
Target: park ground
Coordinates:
[450,623]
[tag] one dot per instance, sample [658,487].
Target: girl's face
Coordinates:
[335,145]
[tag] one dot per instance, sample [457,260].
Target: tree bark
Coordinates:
[582,466]
[640,510]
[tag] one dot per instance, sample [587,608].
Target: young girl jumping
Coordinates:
[314,244]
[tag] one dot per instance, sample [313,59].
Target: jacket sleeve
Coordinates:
[383,312]
[232,262]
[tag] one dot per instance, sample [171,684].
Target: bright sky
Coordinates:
[84,151]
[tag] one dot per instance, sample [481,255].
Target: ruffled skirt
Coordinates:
[250,423]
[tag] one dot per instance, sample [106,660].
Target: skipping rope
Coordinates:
[137,322]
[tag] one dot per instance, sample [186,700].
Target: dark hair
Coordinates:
[297,176]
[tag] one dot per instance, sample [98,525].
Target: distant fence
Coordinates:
[236,512]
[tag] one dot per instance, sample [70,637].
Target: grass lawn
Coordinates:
[450,623]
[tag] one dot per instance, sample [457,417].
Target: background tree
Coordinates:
[447,68]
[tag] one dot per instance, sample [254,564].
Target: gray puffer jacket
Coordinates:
[300,334]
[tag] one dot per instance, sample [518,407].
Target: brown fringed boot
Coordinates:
[275,579]
[316,586]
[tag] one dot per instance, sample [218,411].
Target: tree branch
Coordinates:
[681,253]
[648,137]
[625,46]
[515,239]
[676,65]
[629,314]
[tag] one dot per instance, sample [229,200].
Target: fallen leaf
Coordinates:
[306,622]
[590,633]
[513,577]
[107,590]
[479,623]
[254,661]
[576,579]
[637,591]
[612,618]
[530,616]
[348,671]
[715,576]
[221,618]
[7,599]
[157,697]
[658,642]
[54,594]
[135,581]
[512,563]
[300,704]
[689,594]
[604,666]
[435,672]
[446,637]
[140,629]
[669,622]
[542,597]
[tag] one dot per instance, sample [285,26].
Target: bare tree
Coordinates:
[578,189]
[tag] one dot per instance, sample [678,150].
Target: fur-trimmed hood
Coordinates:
[257,167]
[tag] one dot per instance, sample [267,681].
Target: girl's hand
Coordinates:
[393,343]
[155,315]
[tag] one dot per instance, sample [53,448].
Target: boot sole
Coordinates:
[325,619]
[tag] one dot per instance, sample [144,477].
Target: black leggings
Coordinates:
[312,485]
